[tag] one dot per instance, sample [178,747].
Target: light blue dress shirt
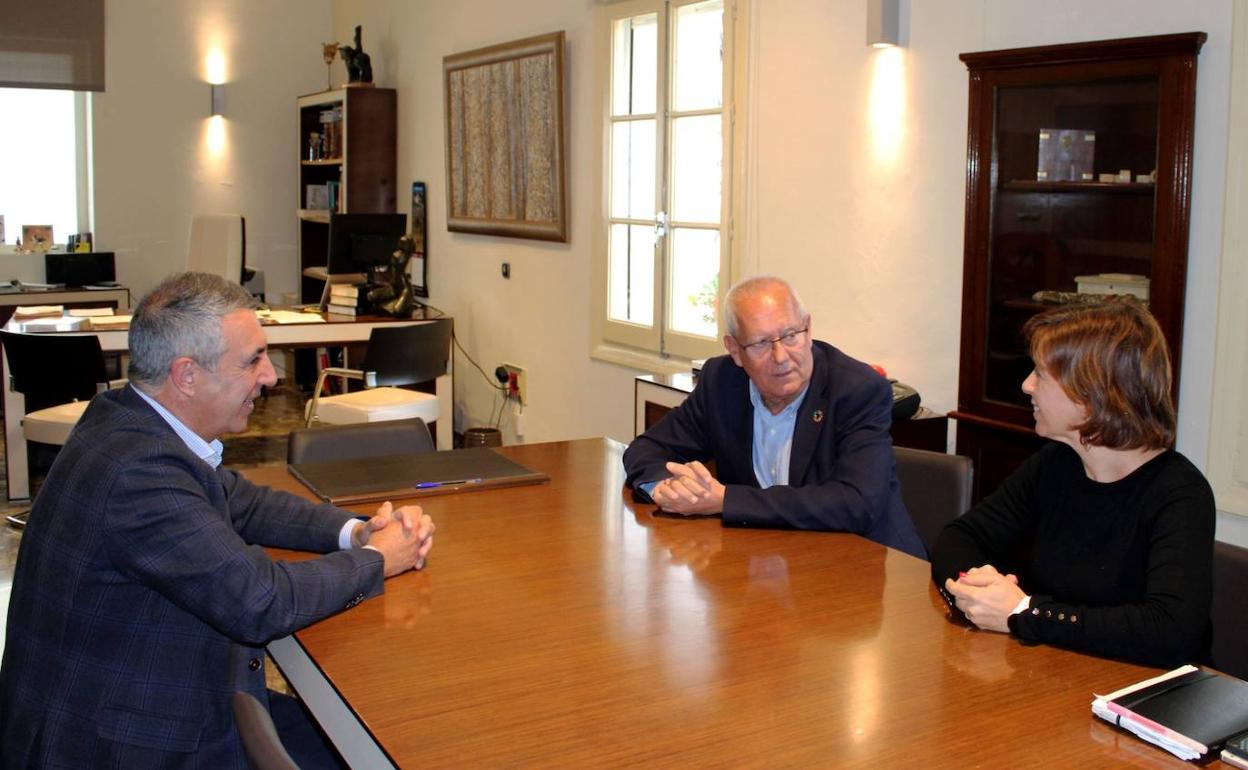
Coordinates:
[773,439]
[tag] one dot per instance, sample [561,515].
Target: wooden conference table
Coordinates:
[331,330]
[562,625]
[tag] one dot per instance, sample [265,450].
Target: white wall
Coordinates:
[539,319]
[153,168]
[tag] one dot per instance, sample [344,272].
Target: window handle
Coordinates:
[660,224]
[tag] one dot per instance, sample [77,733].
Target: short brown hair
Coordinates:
[1112,359]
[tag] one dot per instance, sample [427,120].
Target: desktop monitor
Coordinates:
[360,242]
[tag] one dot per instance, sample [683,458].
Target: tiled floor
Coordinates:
[263,443]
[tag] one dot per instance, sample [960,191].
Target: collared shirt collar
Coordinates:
[208,451]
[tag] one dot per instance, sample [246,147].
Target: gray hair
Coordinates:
[752,287]
[182,316]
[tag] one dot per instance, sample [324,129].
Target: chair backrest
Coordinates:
[1230,609]
[402,355]
[261,743]
[358,440]
[52,369]
[935,487]
[218,245]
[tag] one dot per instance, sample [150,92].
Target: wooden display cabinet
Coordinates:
[1026,232]
[360,161]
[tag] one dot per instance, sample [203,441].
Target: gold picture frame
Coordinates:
[505,170]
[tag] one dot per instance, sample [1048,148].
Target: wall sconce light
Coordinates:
[883,23]
[218,99]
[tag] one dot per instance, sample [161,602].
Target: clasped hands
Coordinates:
[690,490]
[403,547]
[986,596]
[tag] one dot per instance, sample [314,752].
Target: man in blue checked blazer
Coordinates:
[143,597]
[798,430]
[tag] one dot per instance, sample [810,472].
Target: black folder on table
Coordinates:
[1205,706]
[371,479]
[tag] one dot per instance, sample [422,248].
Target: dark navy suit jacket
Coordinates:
[842,473]
[142,598]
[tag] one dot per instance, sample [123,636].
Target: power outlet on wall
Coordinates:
[517,382]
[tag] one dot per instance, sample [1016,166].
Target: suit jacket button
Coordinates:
[253,664]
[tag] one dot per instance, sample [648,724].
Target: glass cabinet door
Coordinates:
[1072,196]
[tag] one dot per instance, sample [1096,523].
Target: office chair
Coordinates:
[57,375]
[218,245]
[396,355]
[1230,611]
[261,743]
[935,487]
[353,442]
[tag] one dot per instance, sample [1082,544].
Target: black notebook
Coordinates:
[1187,711]
[372,479]
[1205,706]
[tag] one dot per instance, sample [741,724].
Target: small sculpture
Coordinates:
[328,52]
[359,65]
[396,298]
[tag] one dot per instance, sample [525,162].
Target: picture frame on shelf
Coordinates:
[505,172]
[419,269]
[37,238]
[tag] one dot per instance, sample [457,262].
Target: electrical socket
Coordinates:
[517,383]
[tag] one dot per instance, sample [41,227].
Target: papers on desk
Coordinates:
[111,321]
[289,317]
[90,312]
[53,324]
[38,311]
[1187,711]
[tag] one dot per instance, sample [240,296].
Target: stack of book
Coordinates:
[1188,711]
[348,299]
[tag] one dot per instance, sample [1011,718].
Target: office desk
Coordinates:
[337,330]
[562,625]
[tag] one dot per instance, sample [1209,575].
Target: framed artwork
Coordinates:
[419,268]
[37,238]
[505,170]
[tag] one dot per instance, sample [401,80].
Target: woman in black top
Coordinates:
[1103,540]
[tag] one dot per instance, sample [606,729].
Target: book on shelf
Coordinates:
[1188,711]
[90,312]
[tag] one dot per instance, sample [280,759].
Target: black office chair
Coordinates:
[1230,609]
[935,487]
[261,743]
[58,374]
[396,355]
[352,442]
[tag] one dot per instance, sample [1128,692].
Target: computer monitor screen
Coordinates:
[358,242]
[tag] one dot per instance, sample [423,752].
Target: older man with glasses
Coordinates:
[797,429]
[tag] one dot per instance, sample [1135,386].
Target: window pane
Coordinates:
[697,153]
[631,291]
[699,56]
[632,169]
[38,162]
[634,59]
[695,281]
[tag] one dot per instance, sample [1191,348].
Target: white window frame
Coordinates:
[658,348]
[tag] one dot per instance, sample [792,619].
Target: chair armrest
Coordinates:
[369,379]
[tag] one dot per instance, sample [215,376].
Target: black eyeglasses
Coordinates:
[790,340]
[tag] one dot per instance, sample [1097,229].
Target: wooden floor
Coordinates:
[263,443]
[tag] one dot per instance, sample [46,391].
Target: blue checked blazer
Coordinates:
[842,474]
[143,597]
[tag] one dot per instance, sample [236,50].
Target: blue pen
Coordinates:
[436,484]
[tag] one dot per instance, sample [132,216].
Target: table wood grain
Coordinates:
[563,625]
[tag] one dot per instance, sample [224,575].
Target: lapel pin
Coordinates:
[817,416]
